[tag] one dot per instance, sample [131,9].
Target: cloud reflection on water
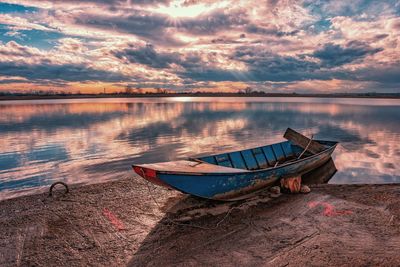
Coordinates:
[92,141]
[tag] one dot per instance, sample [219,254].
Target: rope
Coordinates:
[187,224]
[305,149]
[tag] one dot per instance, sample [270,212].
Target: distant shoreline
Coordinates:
[81,96]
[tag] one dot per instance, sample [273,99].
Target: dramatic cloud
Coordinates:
[57,73]
[268,31]
[147,55]
[297,46]
[336,55]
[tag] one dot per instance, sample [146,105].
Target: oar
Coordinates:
[303,142]
[290,135]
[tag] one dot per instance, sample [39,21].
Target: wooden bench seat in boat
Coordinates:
[188,166]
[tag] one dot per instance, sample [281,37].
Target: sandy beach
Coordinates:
[129,222]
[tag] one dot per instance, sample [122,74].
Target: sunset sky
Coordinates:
[273,46]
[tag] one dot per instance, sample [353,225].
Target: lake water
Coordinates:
[95,140]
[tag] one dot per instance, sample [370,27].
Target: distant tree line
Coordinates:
[130,91]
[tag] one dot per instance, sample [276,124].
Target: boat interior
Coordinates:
[260,157]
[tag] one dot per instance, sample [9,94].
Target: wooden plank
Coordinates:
[189,167]
[269,154]
[260,158]
[237,160]
[223,160]
[209,159]
[302,141]
[280,156]
[249,159]
[287,149]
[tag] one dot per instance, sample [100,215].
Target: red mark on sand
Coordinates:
[329,209]
[117,223]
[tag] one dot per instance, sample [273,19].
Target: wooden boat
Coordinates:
[237,175]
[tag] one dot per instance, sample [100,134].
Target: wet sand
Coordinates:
[121,223]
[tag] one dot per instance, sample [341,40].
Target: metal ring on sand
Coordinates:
[56,183]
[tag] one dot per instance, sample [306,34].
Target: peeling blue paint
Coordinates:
[226,186]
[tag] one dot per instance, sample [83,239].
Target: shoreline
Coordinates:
[33,97]
[125,222]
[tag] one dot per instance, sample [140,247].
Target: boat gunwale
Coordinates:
[249,171]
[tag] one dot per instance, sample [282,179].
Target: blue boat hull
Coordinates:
[239,185]
[228,186]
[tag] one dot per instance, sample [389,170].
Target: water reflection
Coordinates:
[82,141]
